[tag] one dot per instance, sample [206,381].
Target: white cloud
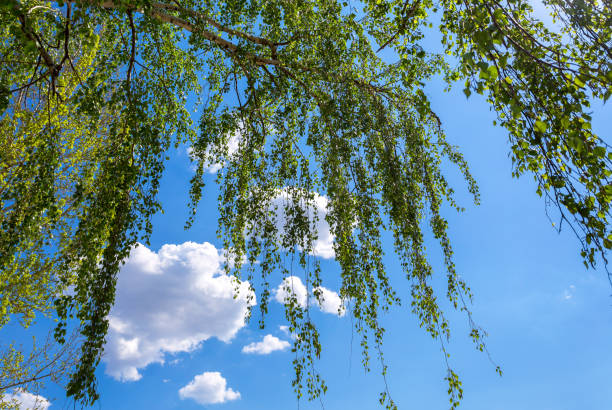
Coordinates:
[21,399]
[268,345]
[170,302]
[330,302]
[285,330]
[324,245]
[292,287]
[208,388]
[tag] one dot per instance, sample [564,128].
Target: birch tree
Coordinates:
[318,111]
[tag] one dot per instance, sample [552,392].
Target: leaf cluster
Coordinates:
[93,94]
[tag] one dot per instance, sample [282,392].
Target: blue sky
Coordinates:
[549,319]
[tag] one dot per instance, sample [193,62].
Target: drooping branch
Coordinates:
[157,11]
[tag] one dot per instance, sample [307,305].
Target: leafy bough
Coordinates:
[317,111]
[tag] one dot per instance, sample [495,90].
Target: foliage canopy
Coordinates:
[94,93]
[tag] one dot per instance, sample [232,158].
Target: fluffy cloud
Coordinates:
[268,345]
[292,287]
[208,388]
[324,245]
[22,399]
[330,302]
[170,302]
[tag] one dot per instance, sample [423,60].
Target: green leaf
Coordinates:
[540,126]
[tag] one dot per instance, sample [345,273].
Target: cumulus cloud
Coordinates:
[285,330]
[208,388]
[268,345]
[330,302]
[170,302]
[324,245]
[292,288]
[22,399]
